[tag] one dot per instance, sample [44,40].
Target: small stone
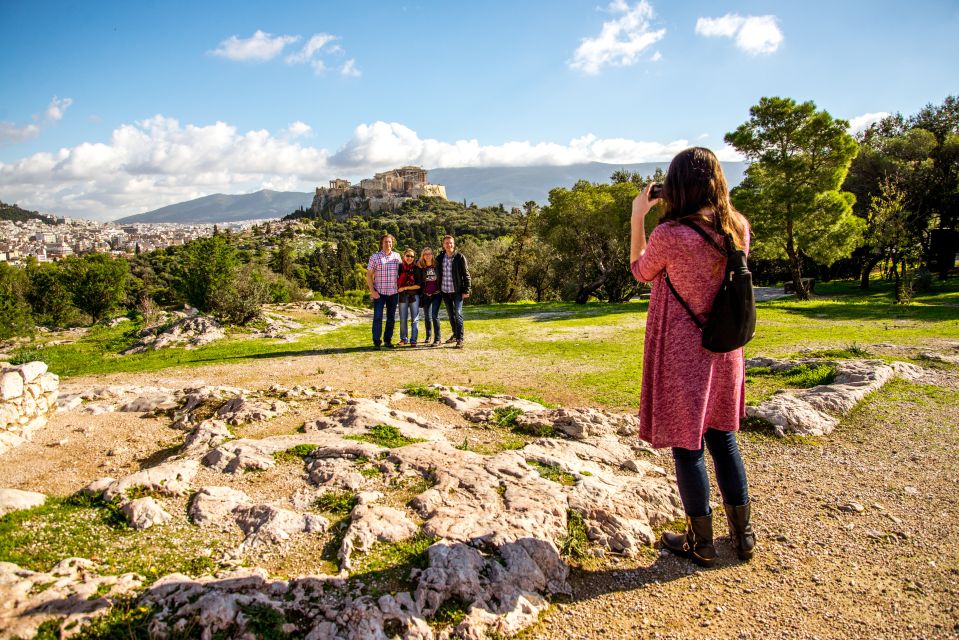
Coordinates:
[852,507]
[910,490]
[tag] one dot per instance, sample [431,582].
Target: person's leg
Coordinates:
[731,478]
[458,310]
[378,319]
[450,314]
[404,312]
[435,317]
[728,463]
[692,481]
[390,317]
[697,542]
[414,319]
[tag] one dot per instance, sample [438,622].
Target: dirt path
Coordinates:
[891,571]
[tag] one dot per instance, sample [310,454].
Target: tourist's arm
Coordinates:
[467,280]
[370,269]
[644,266]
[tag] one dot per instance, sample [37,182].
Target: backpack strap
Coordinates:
[682,302]
[708,238]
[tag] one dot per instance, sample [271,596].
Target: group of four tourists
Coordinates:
[414,285]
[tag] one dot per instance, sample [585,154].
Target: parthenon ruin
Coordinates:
[385,190]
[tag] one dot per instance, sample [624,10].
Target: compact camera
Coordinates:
[656,191]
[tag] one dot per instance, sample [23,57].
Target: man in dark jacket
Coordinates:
[455,285]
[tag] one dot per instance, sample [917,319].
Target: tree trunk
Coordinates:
[795,266]
[582,296]
[866,270]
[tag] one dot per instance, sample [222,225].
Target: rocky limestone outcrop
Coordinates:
[28,393]
[16,499]
[816,411]
[371,523]
[72,592]
[494,522]
[144,513]
[189,332]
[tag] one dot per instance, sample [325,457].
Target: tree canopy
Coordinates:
[791,193]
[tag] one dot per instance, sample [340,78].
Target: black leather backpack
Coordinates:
[731,322]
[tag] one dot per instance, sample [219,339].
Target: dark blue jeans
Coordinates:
[431,312]
[730,473]
[454,310]
[389,302]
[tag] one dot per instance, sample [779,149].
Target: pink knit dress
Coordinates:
[686,389]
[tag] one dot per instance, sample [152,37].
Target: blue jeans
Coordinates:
[409,309]
[431,309]
[730,473]
[454,310]
[390,303]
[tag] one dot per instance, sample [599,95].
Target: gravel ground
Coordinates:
[824,569]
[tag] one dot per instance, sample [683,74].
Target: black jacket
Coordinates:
[462,282]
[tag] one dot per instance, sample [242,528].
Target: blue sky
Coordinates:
[112,108]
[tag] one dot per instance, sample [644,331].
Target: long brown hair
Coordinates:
[695,181]
[421,263]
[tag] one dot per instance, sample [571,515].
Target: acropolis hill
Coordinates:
[384,191]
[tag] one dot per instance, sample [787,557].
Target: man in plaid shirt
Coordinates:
[381,275]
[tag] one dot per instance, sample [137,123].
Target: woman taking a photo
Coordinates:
[430,297]
[408,285]
[692,398]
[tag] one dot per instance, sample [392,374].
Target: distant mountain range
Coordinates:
[227,208]
[509,186]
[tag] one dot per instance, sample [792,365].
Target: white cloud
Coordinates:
[657,57]
[264,46]
[861,123]
[159,161]
[58,107]
[312,46]
[299,128]
[383,145]
[349,69]
[12,134]
[258,47]
[620,41]
[753,34]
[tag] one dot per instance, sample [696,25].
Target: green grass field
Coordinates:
[593,351]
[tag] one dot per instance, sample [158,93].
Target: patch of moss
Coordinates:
[385,435]
[506,416]
[553,473]
[576,543]
[452,612]
[336,502]
[295,454]
[419,391]
[126,620]
[264,621]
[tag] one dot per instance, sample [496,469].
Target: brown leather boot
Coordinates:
[740,531]
[696,544]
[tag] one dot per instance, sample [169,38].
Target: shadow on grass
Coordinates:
[553,311]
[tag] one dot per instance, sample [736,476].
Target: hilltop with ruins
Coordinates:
[385,191]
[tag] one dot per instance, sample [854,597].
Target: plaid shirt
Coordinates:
[448,285]
[385,268]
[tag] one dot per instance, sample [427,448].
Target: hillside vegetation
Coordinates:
[15,214]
